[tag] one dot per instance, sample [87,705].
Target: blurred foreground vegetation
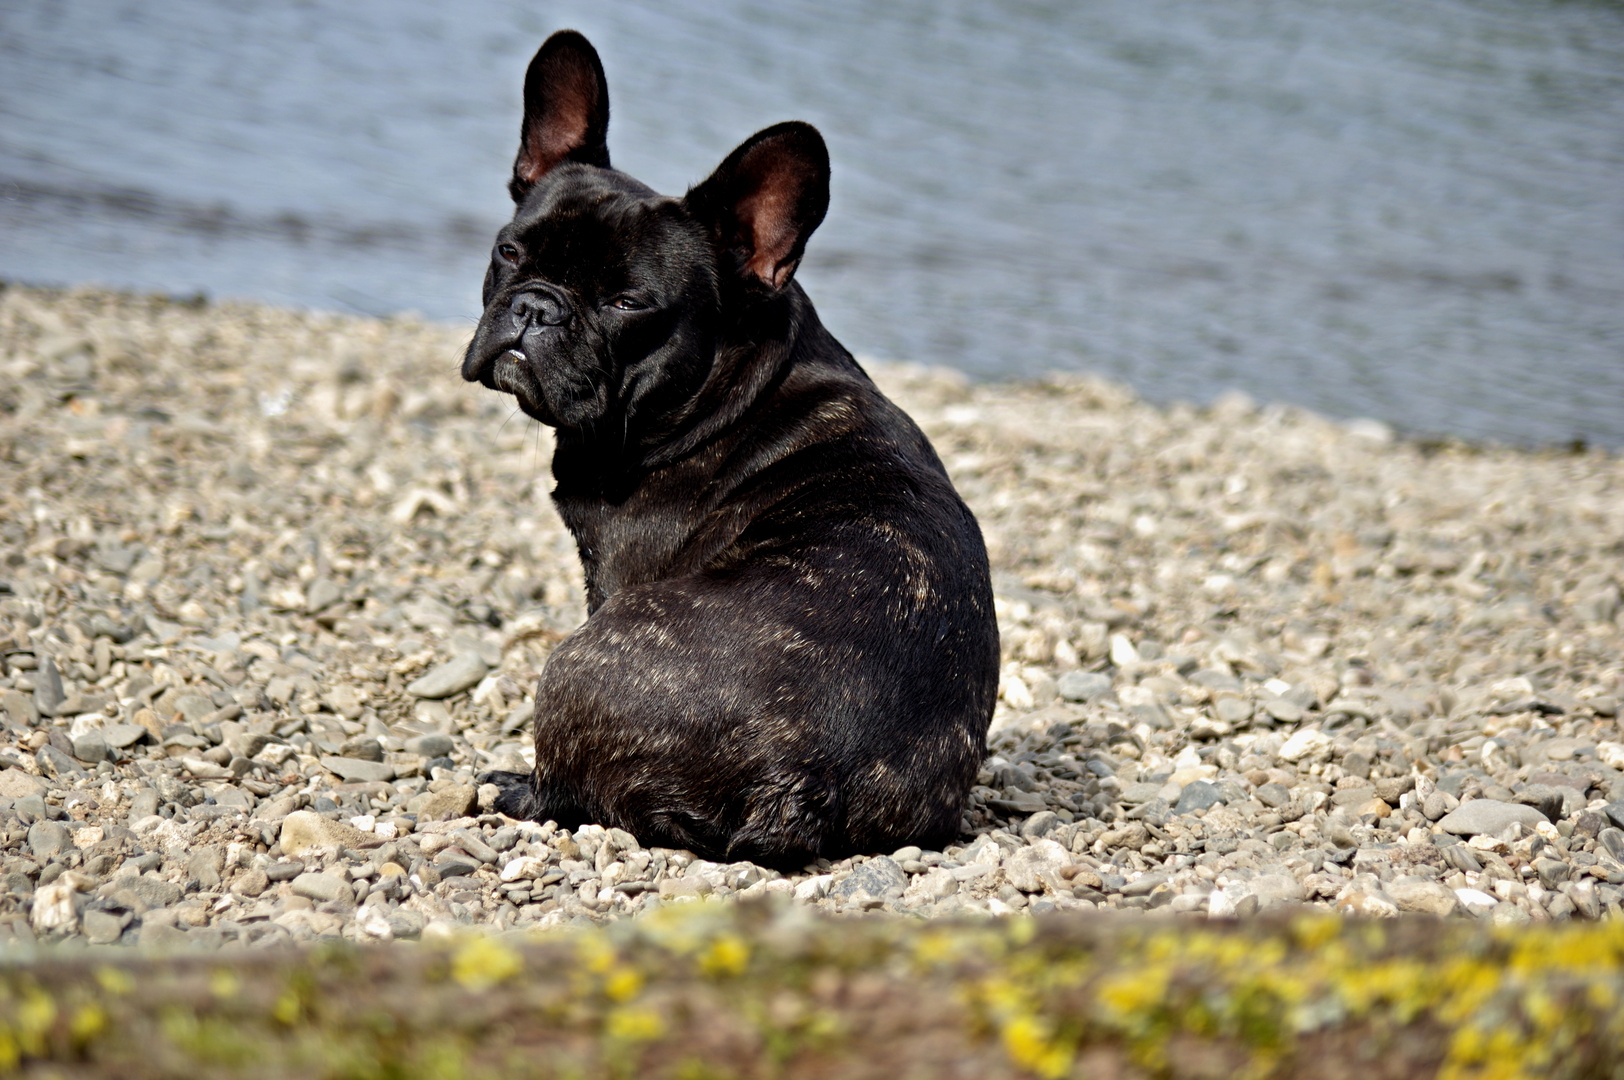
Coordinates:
[713,991]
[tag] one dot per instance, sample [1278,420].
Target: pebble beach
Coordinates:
[275,588]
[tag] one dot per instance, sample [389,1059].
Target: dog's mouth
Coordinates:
[507,371]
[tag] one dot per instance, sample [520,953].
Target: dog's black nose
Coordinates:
[540,306]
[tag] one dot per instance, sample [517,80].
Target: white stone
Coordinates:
[813,888]
[1307,743]
[935,884]
[53,905]
[1475,900]
[1037,865]
[1122,651]
[373,921]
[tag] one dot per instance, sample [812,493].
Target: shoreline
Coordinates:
[1252,657]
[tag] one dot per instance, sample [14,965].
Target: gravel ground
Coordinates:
[275,588]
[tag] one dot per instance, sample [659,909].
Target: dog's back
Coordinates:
[813,671]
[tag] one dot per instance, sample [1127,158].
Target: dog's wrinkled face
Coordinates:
[596,300]
[603,298]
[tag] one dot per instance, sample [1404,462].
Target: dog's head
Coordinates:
[606,301]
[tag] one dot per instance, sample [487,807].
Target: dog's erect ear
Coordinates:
[566,111]
[766,198]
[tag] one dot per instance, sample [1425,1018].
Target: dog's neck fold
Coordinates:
[749,363]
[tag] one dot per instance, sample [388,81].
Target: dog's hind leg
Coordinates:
[789,820]
[516,793]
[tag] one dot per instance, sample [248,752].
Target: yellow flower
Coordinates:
[1028,1043]
[483,962]
[727,955]
[634,1025]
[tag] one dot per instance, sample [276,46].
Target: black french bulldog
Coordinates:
[791,650]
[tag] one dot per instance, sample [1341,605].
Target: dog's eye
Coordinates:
[507,252]
[626,303]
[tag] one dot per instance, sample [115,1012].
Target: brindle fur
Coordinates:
[790,650]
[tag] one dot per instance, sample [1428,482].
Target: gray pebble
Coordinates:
[432,745]
[451,677]
[330,885]
[1274,796]
[48,692]
[1197,795]
[284,871]
[103,927]
[119,736]
[878,877]
[1083,685]
[90,747]
[1489,816]
[48,839]
[1282,709]
[358,769]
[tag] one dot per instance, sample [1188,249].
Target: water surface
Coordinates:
[1412,211]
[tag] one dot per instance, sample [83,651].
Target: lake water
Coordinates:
[1405,209]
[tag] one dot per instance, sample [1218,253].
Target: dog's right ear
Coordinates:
[566,111]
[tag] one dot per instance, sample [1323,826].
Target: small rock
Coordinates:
[322,594]
[104,927]
[251,883]
[1145,884]
[90,747]
[153,891]
[1197,795]
[359,769]
[204,866]
[1274,796]
[17,784]
[1284,710]
[48,692]
[286,870]
[1612,842]
[1475,901]
[346,700]
[48,839]
[456,801]
[1423,895]
[1232,710]
[1552,872]
[1509,915]
[322,887]
[53,760]
[1083,685]
[120,736]
[1038,864]
[305,830]
[1366,904]
[451,864]
[1307,743]
[1039,824]
[933,885]
[1390,789]
[19,708]
[432,745]
[878,877]
[204,770]
[53,907]
[1490,816]
[453,676]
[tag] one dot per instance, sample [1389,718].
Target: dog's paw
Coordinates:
[516,793]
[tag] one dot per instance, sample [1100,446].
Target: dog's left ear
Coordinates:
[566,111]
[764,201]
